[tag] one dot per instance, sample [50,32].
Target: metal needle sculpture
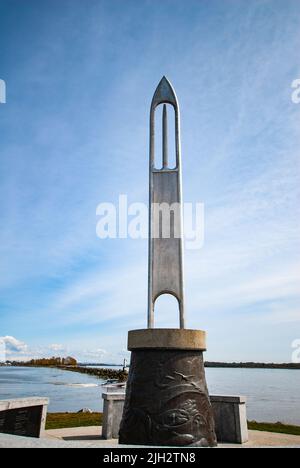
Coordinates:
[165,253]
[167,400]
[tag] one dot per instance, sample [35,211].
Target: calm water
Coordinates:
[68,391]
[273,395]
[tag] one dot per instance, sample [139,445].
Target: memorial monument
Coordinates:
[167,400]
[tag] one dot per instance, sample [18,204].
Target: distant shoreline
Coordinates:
[251,365]
[222,365]
[208,364]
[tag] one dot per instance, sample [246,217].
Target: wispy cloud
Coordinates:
[74,133]
[13,346]
[14,349]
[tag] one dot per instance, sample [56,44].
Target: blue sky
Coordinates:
[74,132]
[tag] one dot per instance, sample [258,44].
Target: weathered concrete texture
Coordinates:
[24,416]
[112,414]
[88,437]
[268,439]
[114,388]
[66,438]
[22,403]
[80,434]
[167,338]
[230,418]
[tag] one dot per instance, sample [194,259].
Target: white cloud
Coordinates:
[13,349]
[81,354]
[13,345]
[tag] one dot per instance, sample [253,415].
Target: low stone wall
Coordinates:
[229,413]
[113,405]
[23,416]
[230,418]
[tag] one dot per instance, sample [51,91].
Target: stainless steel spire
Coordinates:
[166,374]
[165,252]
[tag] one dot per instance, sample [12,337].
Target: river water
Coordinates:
[273,395]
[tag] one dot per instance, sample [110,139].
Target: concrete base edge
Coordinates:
[167,338]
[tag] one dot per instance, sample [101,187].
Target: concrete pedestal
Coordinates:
[112,413]
[231,418]
[167,400]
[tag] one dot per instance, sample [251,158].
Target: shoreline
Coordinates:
[114,373]
[251,365]
[224,365]
[105,373]
[100,373]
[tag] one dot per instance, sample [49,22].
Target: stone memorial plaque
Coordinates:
[22,421]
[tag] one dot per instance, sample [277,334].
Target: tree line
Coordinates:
[48,362]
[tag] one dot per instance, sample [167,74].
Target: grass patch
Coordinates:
[274,427]
[65,420]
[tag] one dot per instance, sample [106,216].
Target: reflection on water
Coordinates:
[273,395]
